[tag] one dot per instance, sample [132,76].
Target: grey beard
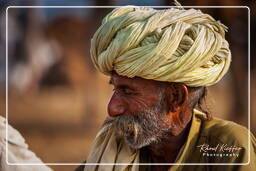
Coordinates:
[142,128]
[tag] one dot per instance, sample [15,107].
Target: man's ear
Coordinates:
[178,107]
[178,96]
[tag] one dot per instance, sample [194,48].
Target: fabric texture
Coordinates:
[17,152]
[107,149]
[172,45]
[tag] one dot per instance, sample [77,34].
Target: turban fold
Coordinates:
[171,45]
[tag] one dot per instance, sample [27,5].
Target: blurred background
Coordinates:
[57,100]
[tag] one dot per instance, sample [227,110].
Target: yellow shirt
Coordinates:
[224,144]
[216,141]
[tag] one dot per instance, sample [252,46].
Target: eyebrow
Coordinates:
[121,86]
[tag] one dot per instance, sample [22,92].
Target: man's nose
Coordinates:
[116,106]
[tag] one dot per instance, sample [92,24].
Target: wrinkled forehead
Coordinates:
[136,82]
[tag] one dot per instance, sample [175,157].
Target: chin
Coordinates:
[139,142]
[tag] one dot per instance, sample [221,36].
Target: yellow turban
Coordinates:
[173,45]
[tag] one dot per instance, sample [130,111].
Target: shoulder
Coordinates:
[14,137]
[226,131]
[17,151]
[232,139]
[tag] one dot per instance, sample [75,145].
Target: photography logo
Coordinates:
[219,150]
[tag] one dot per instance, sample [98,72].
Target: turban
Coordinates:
[171,45]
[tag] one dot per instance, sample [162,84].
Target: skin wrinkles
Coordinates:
[136,101]
[151,114]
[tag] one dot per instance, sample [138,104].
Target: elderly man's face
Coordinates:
[138,110]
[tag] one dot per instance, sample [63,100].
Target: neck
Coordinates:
[168,148]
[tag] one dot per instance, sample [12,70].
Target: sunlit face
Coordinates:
[138,110]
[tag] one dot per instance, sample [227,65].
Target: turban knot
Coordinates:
[172,45]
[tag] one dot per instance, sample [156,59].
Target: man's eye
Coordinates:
[124,91]
[127,91]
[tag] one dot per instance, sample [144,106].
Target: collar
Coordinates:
[193,135]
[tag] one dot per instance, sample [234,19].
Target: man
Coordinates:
[160,62]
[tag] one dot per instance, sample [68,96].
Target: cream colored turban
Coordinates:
[173,45]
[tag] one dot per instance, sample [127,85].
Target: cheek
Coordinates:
[173,118]
[137,104]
